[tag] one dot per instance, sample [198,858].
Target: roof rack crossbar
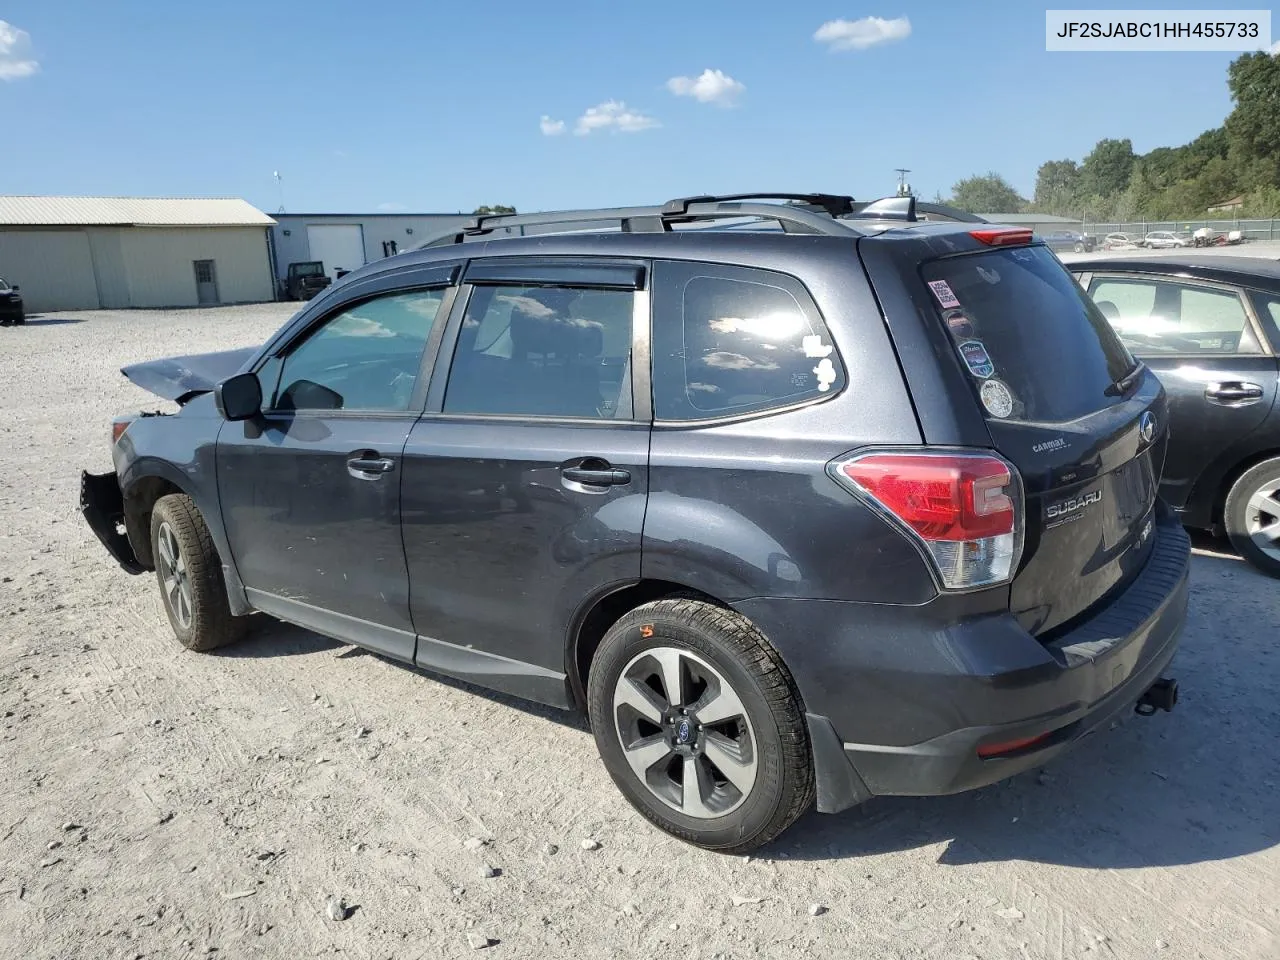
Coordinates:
[660,219]
[836,205]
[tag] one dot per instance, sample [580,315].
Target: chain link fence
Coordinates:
[1250,229]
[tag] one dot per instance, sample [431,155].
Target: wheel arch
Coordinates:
[149,480]
[598,613]
[1218,506]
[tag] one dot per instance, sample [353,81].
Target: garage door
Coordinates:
[339,245]
[53,268]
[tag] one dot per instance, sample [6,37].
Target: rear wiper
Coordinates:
[1125,383]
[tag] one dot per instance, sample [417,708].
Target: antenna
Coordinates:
[904,188]
[280,185]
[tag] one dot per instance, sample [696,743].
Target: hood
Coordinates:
[181,378]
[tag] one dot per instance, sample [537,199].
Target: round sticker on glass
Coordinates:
[997,399]
[958,323]
[976,358]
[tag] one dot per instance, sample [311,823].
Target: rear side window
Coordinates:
[729,341]
[1034,344]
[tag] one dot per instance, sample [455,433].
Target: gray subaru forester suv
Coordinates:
[802,502]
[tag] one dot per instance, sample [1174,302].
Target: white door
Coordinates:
[206,281]
[340,246]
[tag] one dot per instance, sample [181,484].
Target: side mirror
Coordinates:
[239,397]
[15,288]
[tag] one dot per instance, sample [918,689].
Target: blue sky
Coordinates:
[437,107]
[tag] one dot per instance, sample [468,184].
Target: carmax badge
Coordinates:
[1068,510]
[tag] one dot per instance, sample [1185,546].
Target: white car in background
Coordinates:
[1120,241]
[1165,240]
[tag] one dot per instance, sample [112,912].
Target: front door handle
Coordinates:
[1233,392]
[369,466]
[603,477]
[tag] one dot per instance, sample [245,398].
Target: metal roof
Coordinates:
[130,211]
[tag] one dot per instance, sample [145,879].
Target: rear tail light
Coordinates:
[1001,237]
[964,509]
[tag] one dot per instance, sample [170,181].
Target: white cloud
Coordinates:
[860,34]
[15,49]
[551,128]
[613,114]
[1275,48]
[710,86]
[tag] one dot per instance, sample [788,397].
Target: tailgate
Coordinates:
[1069,407]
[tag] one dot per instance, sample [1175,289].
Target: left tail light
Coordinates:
[964,510]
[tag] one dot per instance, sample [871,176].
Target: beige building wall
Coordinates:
[54,268]
[160,264]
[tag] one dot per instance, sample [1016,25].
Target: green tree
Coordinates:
[1139,199]
[987,193]
[1253,126]
[1057,184]
[491,210]
[1105,172]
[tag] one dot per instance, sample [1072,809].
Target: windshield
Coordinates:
[308,269]
[1034,344]
[3,285]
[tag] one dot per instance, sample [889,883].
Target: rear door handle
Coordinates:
[1233,392]
[605,477]
[369,466]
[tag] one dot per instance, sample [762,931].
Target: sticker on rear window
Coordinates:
[942,291]
[997,399]
[958,323]
[976,358]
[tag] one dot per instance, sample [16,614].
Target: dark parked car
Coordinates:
[1060,240]
[1207,325]
[11,309]
[304,280]
[795,514]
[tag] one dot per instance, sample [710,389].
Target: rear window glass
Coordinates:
[1034,344]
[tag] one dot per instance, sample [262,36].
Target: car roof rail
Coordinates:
[835,205]
[802,213]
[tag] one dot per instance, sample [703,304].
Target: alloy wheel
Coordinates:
[1262,518]
[685,732]
[174,575]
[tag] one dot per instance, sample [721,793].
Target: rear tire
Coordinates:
[190,576]
[1251,516]
[724,762]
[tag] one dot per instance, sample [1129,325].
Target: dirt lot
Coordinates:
[157,803]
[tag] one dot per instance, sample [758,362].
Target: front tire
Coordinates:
[190,576]
[1251,516]
[700,726]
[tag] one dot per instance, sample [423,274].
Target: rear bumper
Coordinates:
[900,700]
[102,505]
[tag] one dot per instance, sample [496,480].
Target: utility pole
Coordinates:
[280,188]
[904,188]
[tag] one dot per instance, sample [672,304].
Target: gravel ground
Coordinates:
[157,803]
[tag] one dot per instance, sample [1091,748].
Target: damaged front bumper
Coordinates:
[102,504]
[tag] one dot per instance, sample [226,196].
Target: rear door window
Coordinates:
[1156,317]
[533,351]
[729,341]
[1034,344]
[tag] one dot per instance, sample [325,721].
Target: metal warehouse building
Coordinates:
[349,241]
[77,253]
